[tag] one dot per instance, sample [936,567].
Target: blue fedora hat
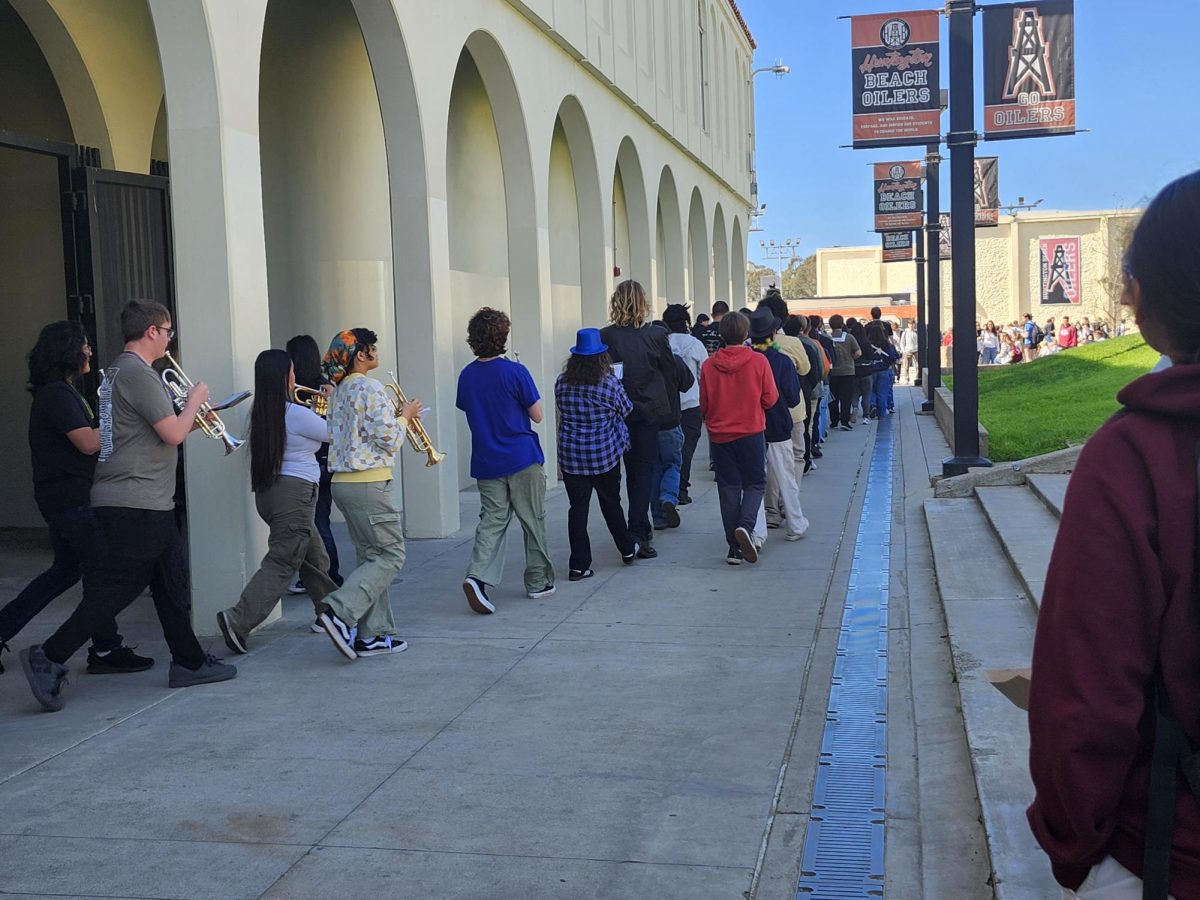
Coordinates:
[588,343]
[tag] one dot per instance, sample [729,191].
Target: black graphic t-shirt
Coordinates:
[62,476]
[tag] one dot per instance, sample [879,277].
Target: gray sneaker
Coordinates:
[46,678]
[210,671]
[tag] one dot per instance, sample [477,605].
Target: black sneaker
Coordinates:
[579,574]
[477,597]
[232,641]
[684,499]
[122,659]
[46,678]
[628,559]
[339,632]
[670,514]
[746,543]
[379,645]
[544,591]
[645,551]
[734,556]
[816,453]
[212,670]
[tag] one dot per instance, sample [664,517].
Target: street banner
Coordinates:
[1060,259]
[945,247]
[898,246]
[899,200]
[1029,69]
[987,191]
[897,92]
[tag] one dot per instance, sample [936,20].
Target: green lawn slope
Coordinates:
[1034,408]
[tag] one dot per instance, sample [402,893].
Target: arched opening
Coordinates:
[576,227]
[669,264]
[699,260]
[720,250]
[326,214]
[631,221]
[73,75]
[737,266]
[491,216]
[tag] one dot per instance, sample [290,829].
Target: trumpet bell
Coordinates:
[231,443]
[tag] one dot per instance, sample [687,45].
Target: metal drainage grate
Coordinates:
[843,849]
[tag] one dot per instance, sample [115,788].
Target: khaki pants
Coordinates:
[288,507]
[522,494]
[374,523]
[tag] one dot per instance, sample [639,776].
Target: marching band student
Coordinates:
[306,360]
[64,440]
[284,476]
[364,435]
[133,499]
[502,405]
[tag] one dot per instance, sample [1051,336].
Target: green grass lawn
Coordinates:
[1038,407]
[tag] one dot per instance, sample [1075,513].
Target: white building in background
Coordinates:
[394,164]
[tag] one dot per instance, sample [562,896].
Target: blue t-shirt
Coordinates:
[1030,333]
[496,397]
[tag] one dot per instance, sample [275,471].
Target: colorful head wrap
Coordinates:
[340,356]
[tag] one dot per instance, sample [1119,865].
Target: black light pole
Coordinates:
[922,296]
[961,140]
[931,356]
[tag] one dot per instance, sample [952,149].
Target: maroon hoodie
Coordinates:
[1120,596]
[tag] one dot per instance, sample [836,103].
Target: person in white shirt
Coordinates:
[693,353]
[909,345]
[284,475]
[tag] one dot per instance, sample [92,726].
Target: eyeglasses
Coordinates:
[170,332]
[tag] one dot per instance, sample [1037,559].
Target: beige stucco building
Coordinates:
[395,164]
[1008,273]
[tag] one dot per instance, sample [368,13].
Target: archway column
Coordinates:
[210,53]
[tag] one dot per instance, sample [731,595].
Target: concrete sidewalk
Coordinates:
[625,737]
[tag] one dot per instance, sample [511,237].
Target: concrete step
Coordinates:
[991,624]
[1026,529]
[1051,490]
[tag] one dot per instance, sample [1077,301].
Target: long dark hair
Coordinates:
[306,358]
[268,432]
[1162,259]
[58,354]
[857,331]
[587,369]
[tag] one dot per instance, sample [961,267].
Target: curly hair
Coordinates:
[587,369]
[487,332]
[627,306]
[58,354]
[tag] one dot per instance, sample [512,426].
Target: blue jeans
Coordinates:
[881,390]
[664,478]
[823,426]
[989,355]
[73,536]
[741,482]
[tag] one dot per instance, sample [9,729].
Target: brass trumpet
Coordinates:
[418,437]
[316,401]
[178,385]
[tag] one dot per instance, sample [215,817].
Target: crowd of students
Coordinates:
[1024,342]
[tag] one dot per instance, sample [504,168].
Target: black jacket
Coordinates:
[683,379]
[779,416]
[649,369]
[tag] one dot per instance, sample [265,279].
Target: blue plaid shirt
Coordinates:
[591,425]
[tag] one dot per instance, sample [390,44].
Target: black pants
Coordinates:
[137,548]
[72,534]
[608,491]
[692,421]
[809,418]
[741,482]
[324,508]
[844,389]
[639,469]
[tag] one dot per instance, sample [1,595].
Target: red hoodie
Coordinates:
[736,388]
[1120,596]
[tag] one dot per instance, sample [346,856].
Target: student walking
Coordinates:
[133,500]
[692,352]
[736,388]
[592,436]
[364,432]
[843,383]
[883,361]
[781,461]
[502,405]
[284,476]
[909,347]
[63,441]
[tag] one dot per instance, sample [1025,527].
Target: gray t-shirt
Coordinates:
[135,469]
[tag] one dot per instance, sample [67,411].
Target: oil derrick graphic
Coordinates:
[1059,284]
[1029,66]
[982,200]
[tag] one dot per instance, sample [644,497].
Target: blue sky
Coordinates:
[1135,82]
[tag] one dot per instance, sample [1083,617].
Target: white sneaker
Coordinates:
[800,532]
